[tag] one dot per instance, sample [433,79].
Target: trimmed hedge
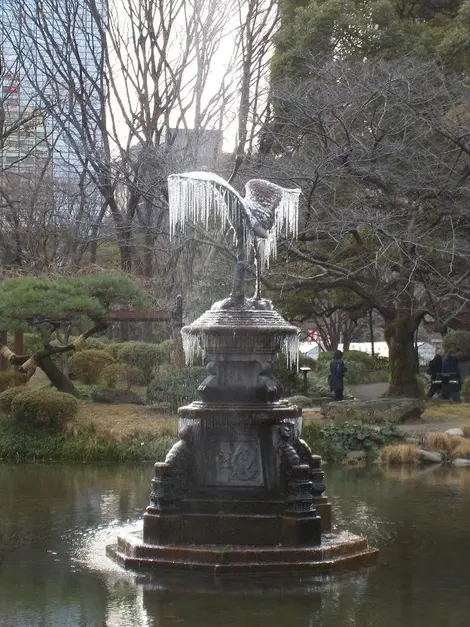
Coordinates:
[116,374]
[43,409]
[7,396]
[360,357]
[176,387]
[88,365]
[11,378]
[94,343]
[141,355]
[113,347]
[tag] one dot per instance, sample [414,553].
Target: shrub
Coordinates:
[167,351]
[322,365]
[357,372]
[7,396]
[87,366]
[141,355]
[292,380]
[423,384]
[11,378]
[460,341]
[360,357]
[362,367]
[176,387]
[324,358]
[94,343]
[466,388]
[381,363]
[121,374]
[300,401]
[318,385]
[43,409]
[113,348]
[334,441]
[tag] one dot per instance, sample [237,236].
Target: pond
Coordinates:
[55,521]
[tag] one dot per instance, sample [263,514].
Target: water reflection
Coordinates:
[56,520]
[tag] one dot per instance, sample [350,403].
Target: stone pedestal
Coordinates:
[236,477]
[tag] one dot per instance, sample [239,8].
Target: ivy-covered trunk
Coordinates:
[400,335]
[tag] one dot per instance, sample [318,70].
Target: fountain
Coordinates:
[240,492]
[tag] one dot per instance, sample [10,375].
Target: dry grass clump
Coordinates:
[456,440]
[394,454]
[443,411]
[463,449]
[438,441]
[466,431]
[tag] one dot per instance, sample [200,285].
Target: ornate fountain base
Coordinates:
[240,493]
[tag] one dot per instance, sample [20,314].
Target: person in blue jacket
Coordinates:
[451,381]
[337,371]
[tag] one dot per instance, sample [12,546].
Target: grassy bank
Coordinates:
[132,433]
[102,433]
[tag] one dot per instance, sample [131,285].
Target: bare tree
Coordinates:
[381,151]
[258,20]
[116,80]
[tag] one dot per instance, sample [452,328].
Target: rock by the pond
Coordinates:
[456,431]
[110,396]
[429,456]
[411,440]
[396,410]
[461,461]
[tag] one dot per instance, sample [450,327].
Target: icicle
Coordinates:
[290,348]
[288,212]
[193,196]
[191,347]
[267,249]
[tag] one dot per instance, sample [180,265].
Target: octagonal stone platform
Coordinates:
[337,552]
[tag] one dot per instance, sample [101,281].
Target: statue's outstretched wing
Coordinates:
[197,196]
[267,204]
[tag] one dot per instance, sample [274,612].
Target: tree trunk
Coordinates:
[346,340]
[57,377]
[399,335]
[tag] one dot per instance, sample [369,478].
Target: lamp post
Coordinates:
[305,370]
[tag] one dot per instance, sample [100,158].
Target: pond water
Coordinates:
[55,521]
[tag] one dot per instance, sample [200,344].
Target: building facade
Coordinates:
[50,54]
